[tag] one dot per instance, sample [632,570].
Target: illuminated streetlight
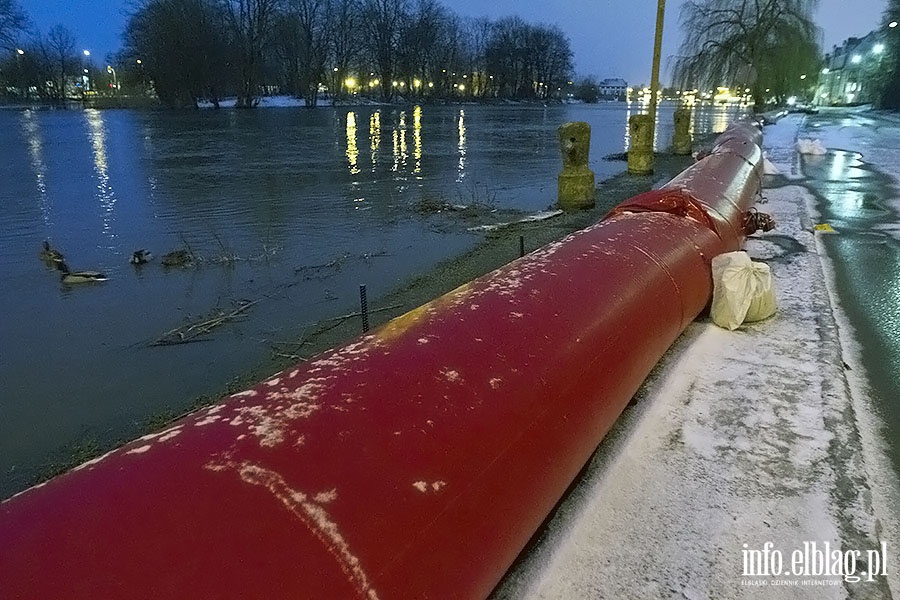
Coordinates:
[878,48]
[802,77]
[19,54]
[112,72]
[892,24]
[85,79]
[825,71]
[855,59]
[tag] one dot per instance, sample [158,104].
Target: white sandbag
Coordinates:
[741,289]
[806,146]
[763,304]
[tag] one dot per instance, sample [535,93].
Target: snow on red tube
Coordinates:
[414,462]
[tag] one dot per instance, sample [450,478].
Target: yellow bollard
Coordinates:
[681,140]
[576,180]
[640,155]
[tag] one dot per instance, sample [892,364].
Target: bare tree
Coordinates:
[478,33]
[12,23]
[309,24]
[182,47]
[756,44]
[251,24]
[61,62]
[345,45]
[528,61]
[420,43]
[383,24]
[887,77]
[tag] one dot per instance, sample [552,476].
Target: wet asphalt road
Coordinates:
[860,200]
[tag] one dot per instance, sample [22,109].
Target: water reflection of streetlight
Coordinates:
[352,148]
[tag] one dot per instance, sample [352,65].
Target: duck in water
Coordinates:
[140,257]
[50,255]
[176,258]
[72,277]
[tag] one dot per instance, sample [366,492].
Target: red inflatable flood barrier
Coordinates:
[414,462]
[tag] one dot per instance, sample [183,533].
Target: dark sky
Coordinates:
[610,38]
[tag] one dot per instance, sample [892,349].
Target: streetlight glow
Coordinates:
[115,84]
[856,59]
[87,52]
[878,48]
[892,24]
[20,51]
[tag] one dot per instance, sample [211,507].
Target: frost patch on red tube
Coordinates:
[316,519]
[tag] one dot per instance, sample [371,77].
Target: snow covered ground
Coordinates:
[743,446]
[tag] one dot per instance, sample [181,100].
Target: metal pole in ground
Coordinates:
[654,77]
[641,127]
[364,308]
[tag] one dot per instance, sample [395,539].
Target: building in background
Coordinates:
[612,89]
[850,70]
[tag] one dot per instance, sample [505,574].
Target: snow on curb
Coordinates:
[737,439]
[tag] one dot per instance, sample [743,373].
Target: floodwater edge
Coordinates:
[496,249]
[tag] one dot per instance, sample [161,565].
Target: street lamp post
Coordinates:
[86,77]
[140,64]
[112,72]
[19,54]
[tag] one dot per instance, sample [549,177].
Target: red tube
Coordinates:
[414,462]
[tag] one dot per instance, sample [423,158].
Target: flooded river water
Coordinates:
[286,208]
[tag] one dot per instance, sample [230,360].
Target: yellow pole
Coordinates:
[654,78]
